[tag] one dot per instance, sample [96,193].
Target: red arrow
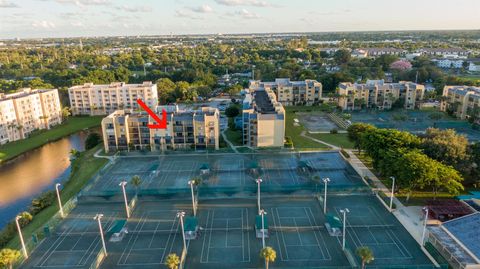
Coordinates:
[161,123]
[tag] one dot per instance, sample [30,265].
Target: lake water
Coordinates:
[27,176]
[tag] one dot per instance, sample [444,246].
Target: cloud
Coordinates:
[135,9]
[181,13]
[85,2]
[255,3]
[201,9]
[247,14]
[5,4]
[77,24]
[43,24]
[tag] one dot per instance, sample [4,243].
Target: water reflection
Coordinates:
[27,176]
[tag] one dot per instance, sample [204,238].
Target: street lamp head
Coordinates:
[263,212]
[181,214]
[326,180]
[123,183]
[98,216]
[191,182]
[259,180]
[18,217]
[344,210]
[58,185]
[392,178]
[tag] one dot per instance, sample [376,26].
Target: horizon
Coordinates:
[26,19]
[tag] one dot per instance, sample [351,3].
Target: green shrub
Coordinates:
[45,200]
[334,131]
[345,153]
[93,139]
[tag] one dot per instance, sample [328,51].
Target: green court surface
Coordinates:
[416,121]
[226,215]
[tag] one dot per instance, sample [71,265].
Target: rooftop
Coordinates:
[263,102]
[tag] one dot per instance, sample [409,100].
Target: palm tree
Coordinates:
[172,261]
[136,181]
[196,181]
[269,255]
[74,153]
[365,254]
[8,257]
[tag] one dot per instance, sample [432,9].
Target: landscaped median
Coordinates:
[40,138]
[84,168]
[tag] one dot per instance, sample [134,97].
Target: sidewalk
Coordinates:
[230,144]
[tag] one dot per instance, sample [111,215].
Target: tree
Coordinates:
[355,132]
[165,88]
[74,153]
[173,261]
[93,139]
[342,56]
[8,257]
[365,254]
[65,113]
[269,255]
[232,111]
[136,181]
[25,218]
[446,146]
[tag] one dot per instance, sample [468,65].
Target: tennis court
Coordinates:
[416,121]
[76,242]
[317,121]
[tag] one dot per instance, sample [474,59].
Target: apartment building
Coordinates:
[288,92]
[462,101]
[90,99]
[128,130]
[378,94]
[28,110]
[263,119]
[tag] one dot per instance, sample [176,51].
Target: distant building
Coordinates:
[376,52]
[90,99]
[128,130]
[359,53]
[288,92]
[448,52]
[449,63]
[263,119]
[378,94]
[461,100]
[28,110]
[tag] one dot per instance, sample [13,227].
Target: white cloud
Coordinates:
[201,9]
[6,4]
[77,24]
[247,14]
[255,3]
[135,9]
[185,14]
[43,24]
[85,2]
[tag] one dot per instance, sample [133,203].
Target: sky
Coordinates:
[76,18]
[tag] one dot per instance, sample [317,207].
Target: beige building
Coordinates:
[378,94]
[128,130]
[263,119]
[28,110]
[289,93]
[461,101]
[90,99]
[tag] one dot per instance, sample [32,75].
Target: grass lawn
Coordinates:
[70,126]
[83,169]
[234,136]
[339,140]
[299,142]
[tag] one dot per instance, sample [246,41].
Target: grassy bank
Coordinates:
[234,136]
[295,131]
[339,140]
[70,126]
[83,169]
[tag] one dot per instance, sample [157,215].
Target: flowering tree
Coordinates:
[401,65]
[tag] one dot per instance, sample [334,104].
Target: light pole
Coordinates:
[344,211]
[123,184]
[263,213]
[325,180]
[57,186]
[191,183]
[181,215]
[259,180]
[424,224]
[24,248]
[98,218]
[393,189]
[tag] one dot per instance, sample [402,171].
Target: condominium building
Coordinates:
[461,101]
[288,92]
[90,99]
[128,130]
[263,119]
[28,110]
[378,94]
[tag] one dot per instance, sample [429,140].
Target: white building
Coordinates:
[28,110]
[307,92]
[90,99]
